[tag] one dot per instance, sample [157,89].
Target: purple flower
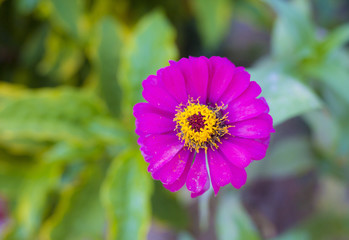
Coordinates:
[202,112]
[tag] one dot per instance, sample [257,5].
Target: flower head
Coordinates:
[203,123]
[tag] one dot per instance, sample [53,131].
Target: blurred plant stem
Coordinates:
[204,210]
[204,204]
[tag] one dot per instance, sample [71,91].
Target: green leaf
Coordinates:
[79,214]
[32,203]
[46,115]
[185,236]
[321,227]
[108,46]
[232,220]
[26,6]
[294,234]
[333,72]
[290,156]
[150,47]
[286,96]
[213,19]
[293,36]
[167,208]
[33,48]
[12,171]
[325,138]
[332,196]
[125,195]
[62,59]
[336,39]
[67,14]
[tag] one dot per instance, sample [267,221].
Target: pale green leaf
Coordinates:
[213,19]
[325,138]
[320,227]
[333,72]
[336,39]
[286,96]
[293,36]
[125,195]
[294,234]
[232,220]
[288,157]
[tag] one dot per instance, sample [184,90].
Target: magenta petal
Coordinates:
[239,176]
[255,149]
[151,123]
[265,101]
[251,92]
[160,146]
[155,144]
[144,108]
[259,127]
[235,154]
[174,82]
[162,158]
[156,95]
[178,184]
[222,71]
[237,86]
[173,169]
[246,110]
[146,115]
[219,170]
[198,175]
[204,189]
[195,72]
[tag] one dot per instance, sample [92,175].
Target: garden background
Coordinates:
[71,71]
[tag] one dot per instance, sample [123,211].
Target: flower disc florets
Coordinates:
[200,126]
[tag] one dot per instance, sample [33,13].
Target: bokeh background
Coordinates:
[71,71]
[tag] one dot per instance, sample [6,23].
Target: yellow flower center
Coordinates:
[200,126]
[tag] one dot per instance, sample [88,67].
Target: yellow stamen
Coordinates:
[200,126]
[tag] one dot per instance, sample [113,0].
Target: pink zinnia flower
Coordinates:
[202,111]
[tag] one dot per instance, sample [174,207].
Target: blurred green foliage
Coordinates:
[71,71]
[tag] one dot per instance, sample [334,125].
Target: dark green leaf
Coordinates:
[213,19]
[26,6]
[79,214]
[67,14]
[167,208]
[40,180]
[149,48]
[108,46]
[46,115]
